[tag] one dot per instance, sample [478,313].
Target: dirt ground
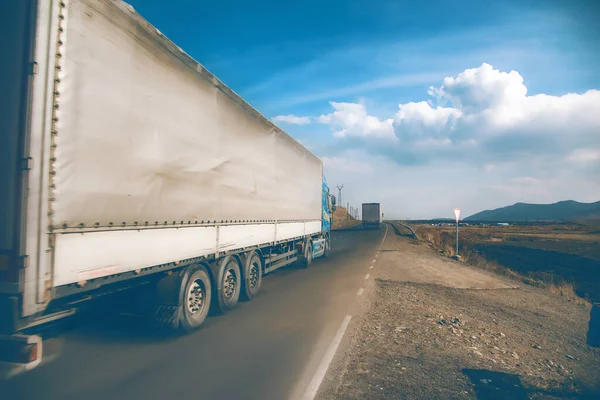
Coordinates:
[434,328]
[561,256]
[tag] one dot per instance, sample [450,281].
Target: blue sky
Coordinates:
[296,58]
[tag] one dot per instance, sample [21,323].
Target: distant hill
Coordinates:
[568,210]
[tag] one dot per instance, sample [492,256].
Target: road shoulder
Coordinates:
[433,328]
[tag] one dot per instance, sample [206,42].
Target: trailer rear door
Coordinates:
[27,88]
[371,213]
[15,71]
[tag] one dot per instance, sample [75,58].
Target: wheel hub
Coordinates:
[195,297]
[253,275]
[229,283]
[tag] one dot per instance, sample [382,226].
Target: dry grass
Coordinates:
[567,290]
[443,240]
[342,220]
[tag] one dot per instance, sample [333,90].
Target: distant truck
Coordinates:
[126,164]
[371,216]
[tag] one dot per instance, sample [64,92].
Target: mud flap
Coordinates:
[168,303]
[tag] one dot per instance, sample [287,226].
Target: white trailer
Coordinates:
[125,161]
[371,215]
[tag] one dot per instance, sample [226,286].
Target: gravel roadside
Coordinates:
[433,328]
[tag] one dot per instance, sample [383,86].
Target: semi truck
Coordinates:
[126,163]
[371,216]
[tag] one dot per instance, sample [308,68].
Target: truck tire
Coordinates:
[183,298]
[196,300]
[327,248]
[307,257]
[252,275]
[229,284]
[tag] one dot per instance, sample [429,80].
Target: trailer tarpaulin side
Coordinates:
[146,134]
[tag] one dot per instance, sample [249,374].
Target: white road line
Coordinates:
[313,387]
[385,234]
[376,255]
[360,292]
[371,267]
[367,276]
[374,261]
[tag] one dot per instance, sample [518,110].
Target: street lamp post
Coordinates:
[457,215]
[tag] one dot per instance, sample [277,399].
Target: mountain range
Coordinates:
[568,210]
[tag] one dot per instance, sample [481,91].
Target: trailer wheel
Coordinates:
[229,284]
[196,300]
[252,276]
[307,258]
[183,298]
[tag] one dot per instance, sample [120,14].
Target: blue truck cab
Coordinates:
[321,246]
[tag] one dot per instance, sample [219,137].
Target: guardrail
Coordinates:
[396,224]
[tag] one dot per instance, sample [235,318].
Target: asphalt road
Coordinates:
[265,349]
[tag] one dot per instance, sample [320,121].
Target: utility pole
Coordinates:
[347,210]
[340,187]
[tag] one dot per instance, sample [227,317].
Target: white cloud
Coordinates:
[416,121]
[525,187]
[291,119]
[584,156]
[478,89]
[492,107]
[479,116]
[351,119]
